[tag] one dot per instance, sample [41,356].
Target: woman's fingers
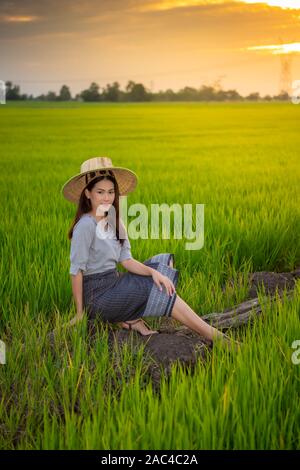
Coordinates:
[162,283]
[167,283]
[76,319]
[158,284]
[170,288]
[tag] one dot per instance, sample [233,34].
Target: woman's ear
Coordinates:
[86,192]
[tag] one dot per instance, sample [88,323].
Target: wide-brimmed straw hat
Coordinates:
[94,167]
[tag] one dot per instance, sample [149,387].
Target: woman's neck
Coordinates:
[97,217]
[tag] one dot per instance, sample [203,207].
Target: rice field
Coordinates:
[241,161]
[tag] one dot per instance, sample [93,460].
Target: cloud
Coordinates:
[202,25]
[164,5]
[279,48]
[18,18]
[285,4]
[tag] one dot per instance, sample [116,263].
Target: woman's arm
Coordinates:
[77,294]
[134,266]
[77,290]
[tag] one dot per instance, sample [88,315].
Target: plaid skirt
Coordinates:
[115,296]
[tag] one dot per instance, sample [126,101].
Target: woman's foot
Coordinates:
[225,340]
[138,325]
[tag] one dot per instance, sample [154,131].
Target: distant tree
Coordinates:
[78,97]
[207,93]
[283,96]
[64,93]
[168,95]
[188,94]
[231,95]
[111,92]
[137,92]
[253,97]
[12,92]
[129,86]
[51,96]
[92,93]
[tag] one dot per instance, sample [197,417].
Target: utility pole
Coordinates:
[285,80]
[285,83]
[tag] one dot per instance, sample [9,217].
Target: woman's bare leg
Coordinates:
[182,312]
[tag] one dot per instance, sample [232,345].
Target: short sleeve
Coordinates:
[125,251]
[125,248]
[83,235]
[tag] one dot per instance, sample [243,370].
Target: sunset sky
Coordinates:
[160,43]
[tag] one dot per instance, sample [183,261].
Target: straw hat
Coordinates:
[94,167]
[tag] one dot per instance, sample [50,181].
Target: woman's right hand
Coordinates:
[78,317]
[160,278]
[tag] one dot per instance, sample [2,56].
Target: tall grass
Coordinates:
[241,161]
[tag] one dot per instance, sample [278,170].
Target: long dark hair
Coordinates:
[85,205]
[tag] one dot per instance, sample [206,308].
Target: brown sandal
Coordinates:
[137,321]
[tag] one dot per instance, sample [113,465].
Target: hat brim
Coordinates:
[126,179]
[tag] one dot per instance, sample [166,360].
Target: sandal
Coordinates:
[137,321]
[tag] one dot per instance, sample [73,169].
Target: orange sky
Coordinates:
[161,43]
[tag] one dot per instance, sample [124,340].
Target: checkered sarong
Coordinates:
[117,296]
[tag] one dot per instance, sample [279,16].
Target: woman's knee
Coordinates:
[176,305]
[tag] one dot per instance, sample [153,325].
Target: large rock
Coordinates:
[272,281]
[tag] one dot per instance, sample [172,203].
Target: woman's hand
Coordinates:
[159,279]
[78,317]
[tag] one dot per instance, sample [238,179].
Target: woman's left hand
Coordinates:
[78,317]
[159,279]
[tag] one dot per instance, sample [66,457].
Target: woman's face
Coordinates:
[102,196]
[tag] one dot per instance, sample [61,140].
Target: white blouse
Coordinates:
[94,249]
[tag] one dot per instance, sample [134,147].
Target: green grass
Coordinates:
[241,161]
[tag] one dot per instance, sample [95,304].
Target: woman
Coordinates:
[98,243]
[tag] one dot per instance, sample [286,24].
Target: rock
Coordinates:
[271,281]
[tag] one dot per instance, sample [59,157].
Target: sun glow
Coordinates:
[278,3]
[172,4]
[19,19]
[279,48]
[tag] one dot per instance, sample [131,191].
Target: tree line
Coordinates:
[137,92]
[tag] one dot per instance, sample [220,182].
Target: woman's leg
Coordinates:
[182,312]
